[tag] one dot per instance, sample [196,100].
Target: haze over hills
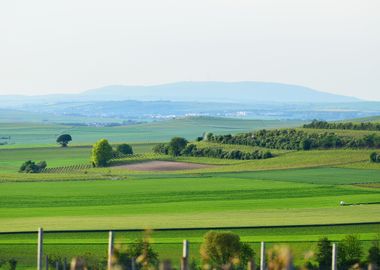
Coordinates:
[235,92]
[252,100]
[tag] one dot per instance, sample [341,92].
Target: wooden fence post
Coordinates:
[47,262]
[334,257]
[165,265]
[262,256]
[133,263]
[185,256]
[251,265]
[110,250]
[40,247]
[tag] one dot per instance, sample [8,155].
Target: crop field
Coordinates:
[292,198]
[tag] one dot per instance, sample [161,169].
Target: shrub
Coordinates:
[350,252]
[161,148]
[140,251]
[124,149]
[10,264]
[101,153]
[220,249]
[374,157]
[280,257]
[31,167]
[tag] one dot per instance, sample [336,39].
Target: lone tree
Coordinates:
[64,139]
[125,149]
[176,145]
[101,153]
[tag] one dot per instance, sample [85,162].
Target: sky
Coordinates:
[67,46]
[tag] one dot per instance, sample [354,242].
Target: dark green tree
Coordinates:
[101,153]
[324,253]
[124,149]
[64,139]
[176,145]
[374,254]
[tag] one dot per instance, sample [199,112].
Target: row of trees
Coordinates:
[180,147]
[292,139]
[343,125]
[374,157]
[102,152]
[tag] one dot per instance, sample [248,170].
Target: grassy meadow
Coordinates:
[293,198]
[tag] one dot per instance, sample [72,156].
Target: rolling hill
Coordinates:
[243,92]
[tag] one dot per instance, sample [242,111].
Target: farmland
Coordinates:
[42,134]
[292,198]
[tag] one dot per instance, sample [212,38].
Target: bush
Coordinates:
[350,252]
[374,157]
[220,249]
[124,149]
[10,264]
[140,251]
[101,153]
[31,167]
[161,148]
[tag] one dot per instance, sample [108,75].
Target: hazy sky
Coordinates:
[49,46]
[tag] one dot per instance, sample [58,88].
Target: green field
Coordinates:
[300,189]
[40,134]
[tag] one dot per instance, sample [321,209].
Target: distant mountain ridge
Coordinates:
[236,92]
[226,92]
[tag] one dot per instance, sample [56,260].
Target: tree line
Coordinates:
[343,125]
[181,147]
[292,139]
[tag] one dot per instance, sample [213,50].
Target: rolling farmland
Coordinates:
[291,198]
